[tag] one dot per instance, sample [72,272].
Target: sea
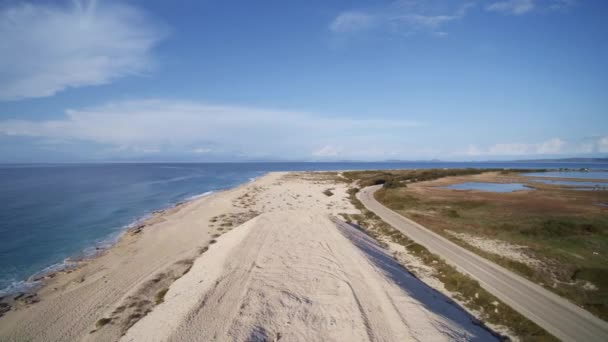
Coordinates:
[53,214]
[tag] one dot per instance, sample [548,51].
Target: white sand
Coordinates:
[295,275]
[290,274]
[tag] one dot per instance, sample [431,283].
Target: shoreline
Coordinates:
[36,280]
[160,245]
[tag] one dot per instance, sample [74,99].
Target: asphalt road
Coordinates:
[555,314]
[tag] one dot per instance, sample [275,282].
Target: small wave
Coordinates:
[34,281]
[199,195]
[174,179]
[19,287]
[253,179]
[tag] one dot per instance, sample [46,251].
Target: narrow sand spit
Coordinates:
[298,276]
[292,273]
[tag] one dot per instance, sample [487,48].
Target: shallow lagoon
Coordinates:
[491,187]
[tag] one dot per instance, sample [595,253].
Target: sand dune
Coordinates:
[298,276]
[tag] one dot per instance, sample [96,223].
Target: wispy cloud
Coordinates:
[327,151]
[198,128]
[352,21]
[519,7]
[512,6]
[563,4]
[602,144]
[403,17]
[554,146]
[413,16]
[47,48]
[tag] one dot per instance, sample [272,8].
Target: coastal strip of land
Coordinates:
[558,316]
[269,260]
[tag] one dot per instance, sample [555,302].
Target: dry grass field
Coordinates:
[555,236]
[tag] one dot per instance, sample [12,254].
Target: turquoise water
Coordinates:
[50,213]
[491,187]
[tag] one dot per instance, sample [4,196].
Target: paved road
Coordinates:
[558,316]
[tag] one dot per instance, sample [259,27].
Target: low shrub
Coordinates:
[100,323]
[160,296]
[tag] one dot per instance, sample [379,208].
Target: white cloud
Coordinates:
[513,149]
[519,7]
[512,6]
[351,21]
[201,150]
[426,21]
[563,4]
[327,151]
[47,48]
[555,146]
[552,146]
[602,144]
[404,17]
[201,128]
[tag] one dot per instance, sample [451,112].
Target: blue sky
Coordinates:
[302,80]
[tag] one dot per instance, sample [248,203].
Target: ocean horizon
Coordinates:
[56,213]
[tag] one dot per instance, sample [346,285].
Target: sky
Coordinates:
[206,80]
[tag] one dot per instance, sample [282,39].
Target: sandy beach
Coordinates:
[268,260]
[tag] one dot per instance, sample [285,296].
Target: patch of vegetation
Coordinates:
[399,178]
[148,295]
[103,321]
[328,193]
[565,227]
[234,219]
[518,171]
[393,183]
[453,213]
[160,296]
